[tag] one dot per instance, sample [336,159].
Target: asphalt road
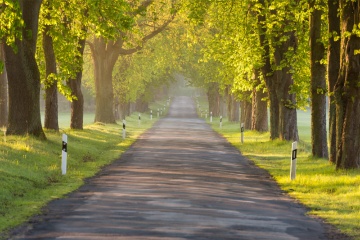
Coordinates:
[180,180]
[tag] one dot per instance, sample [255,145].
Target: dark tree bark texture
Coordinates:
[333,72]
[259,121]
[347,90]
[214,99]
[318,86]
[77,105]
[51,98]
[23,76]
[3,95]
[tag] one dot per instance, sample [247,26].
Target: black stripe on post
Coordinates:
[294,152]
[64,146]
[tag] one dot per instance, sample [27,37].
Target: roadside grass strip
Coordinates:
[30,169]
[332,195]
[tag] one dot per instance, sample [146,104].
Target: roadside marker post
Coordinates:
[124,129]
[64,154]
[293,161]
[242,132]
[220,121]
[211,117]
[150,114]
[139,119]
[158,113]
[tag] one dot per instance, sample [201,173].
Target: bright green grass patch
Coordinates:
[330,194]
[30,169]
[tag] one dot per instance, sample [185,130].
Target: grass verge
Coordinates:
[30,169]
[330,194]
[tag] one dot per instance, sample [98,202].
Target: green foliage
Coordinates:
[11,22]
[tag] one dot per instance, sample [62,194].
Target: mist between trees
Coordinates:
[252,53]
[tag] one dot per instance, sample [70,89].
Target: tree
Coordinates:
[333,71]
[23,74]
[318,83]
[347,89]
[3,94]
[106,52]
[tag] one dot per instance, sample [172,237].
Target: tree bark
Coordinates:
[51,97]
[3,94]
[347,90]
[318,86]
[214,99]
[333,72]
[246,109]
[259,119]
[77,105]
[141,104]
[104,56]
[24,77]
[235,112]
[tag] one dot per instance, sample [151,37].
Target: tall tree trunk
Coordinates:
[333,71]
[214,99]
[51,97]
[287,101]
[24,77]
[246,114]
[141,104]
[3,94]
[77,105]
[347,90]
[259,117]
[104,60]
[318,85]
[235,112]
[270,77]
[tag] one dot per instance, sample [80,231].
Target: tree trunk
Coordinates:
[51,97]
[235,112]
[284,81]
[3,94]
[318,86]
[77,105]
[259,114]
[214,99]
[333,72]
[246,110]
[347,90]
[24,77]
[104,61]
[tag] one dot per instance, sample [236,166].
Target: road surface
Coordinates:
[180,180]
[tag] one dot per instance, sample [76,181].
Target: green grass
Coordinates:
[330,194]
[30,169]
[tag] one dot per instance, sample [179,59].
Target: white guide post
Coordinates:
[124,129]
[210,116]
[150,114]
[220,121]
[242,129]
[293,161]
[158,113]
[139,119]
[64,154]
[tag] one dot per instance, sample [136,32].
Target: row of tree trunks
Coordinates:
[24,77]
[3,94]
[333,72]
[347,89]
[259,115]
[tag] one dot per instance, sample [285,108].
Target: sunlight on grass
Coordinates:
[330,194]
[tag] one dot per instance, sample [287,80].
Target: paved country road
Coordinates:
[180,180]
